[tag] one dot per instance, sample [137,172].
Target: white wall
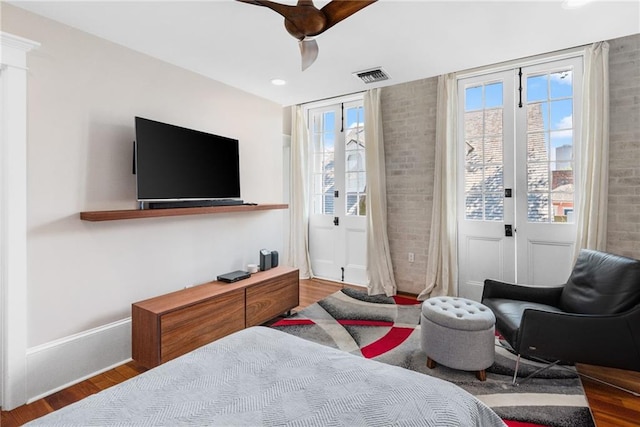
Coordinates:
[83,93]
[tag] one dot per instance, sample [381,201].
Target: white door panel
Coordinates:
[485,172]
[531,136]
[548,262]
[355,257]
[337,222]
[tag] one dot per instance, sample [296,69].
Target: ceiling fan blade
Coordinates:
[338,10]
[283,9]
[308,51]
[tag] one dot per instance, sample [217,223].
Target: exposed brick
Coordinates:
[623,222]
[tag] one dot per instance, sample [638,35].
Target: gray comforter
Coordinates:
[260,376]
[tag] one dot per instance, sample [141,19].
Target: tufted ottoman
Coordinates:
[458,333]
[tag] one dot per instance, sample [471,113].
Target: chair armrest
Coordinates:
[605,340]
[546,295]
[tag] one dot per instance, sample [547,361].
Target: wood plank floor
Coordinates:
[611,407]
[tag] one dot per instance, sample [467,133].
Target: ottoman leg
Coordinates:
[431,363]
[481,375]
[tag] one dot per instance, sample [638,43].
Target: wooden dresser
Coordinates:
[173,324]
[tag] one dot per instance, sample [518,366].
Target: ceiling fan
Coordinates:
[304,21]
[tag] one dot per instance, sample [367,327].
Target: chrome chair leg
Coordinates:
[515,371]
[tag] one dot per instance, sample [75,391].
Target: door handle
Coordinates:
[508,230]
[336,221]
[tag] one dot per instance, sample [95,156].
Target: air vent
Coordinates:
[373,75]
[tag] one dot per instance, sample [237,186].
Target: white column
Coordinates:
[13,219]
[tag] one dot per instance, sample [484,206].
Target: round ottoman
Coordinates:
[458,333]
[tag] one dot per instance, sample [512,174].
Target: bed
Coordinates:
[261,376]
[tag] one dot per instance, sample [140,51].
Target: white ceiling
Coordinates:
[245,46]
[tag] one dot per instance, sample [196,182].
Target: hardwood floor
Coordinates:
[610,407]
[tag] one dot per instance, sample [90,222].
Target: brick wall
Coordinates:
[409,115]
[623,235]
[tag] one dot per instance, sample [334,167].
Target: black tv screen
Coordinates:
[176,163]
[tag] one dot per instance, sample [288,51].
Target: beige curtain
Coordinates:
[379,267]
[298,255]
[594,156]
[442,258]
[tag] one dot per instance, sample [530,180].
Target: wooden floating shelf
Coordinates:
[154,213]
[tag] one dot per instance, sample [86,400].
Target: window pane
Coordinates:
[561,179]
[563,154]
[562,84]
[473,176]
[493,95]
[537,117]
[473,206]
[538,207]
[493,179]
[473,124]
[494,207]
[328,204]
[329,141]
[473,98]
[493,150]
[354,116]
[537,88]
[329,122]
[352,204]
[537,147]
[362,205]
[493,122]
[538,177]
[562,114]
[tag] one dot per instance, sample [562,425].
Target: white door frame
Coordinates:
[354,271]
[13,219]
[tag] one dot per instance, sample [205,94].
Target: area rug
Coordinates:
[387,329]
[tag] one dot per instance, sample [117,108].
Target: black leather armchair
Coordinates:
[594,318]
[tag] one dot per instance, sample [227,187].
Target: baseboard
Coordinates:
[59,364]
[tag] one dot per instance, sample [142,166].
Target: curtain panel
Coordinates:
[594,156]
[379,267]
[298,256]
[442,257]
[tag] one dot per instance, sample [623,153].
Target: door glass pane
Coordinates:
[483,128]
[473,206]
[537,88]
[494,207]
[562,84]
[355,170]
[538,207]
[323,167]
[550,161]
[538,177]
[561,114]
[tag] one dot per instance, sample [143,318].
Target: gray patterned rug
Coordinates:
[387,329]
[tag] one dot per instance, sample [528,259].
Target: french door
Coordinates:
[518,161]
[337,215]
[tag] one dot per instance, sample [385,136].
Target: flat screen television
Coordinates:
[173,163]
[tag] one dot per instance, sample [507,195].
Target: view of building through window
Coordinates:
[549,138]
[324,132]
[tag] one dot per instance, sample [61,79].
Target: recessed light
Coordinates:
[278,82]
